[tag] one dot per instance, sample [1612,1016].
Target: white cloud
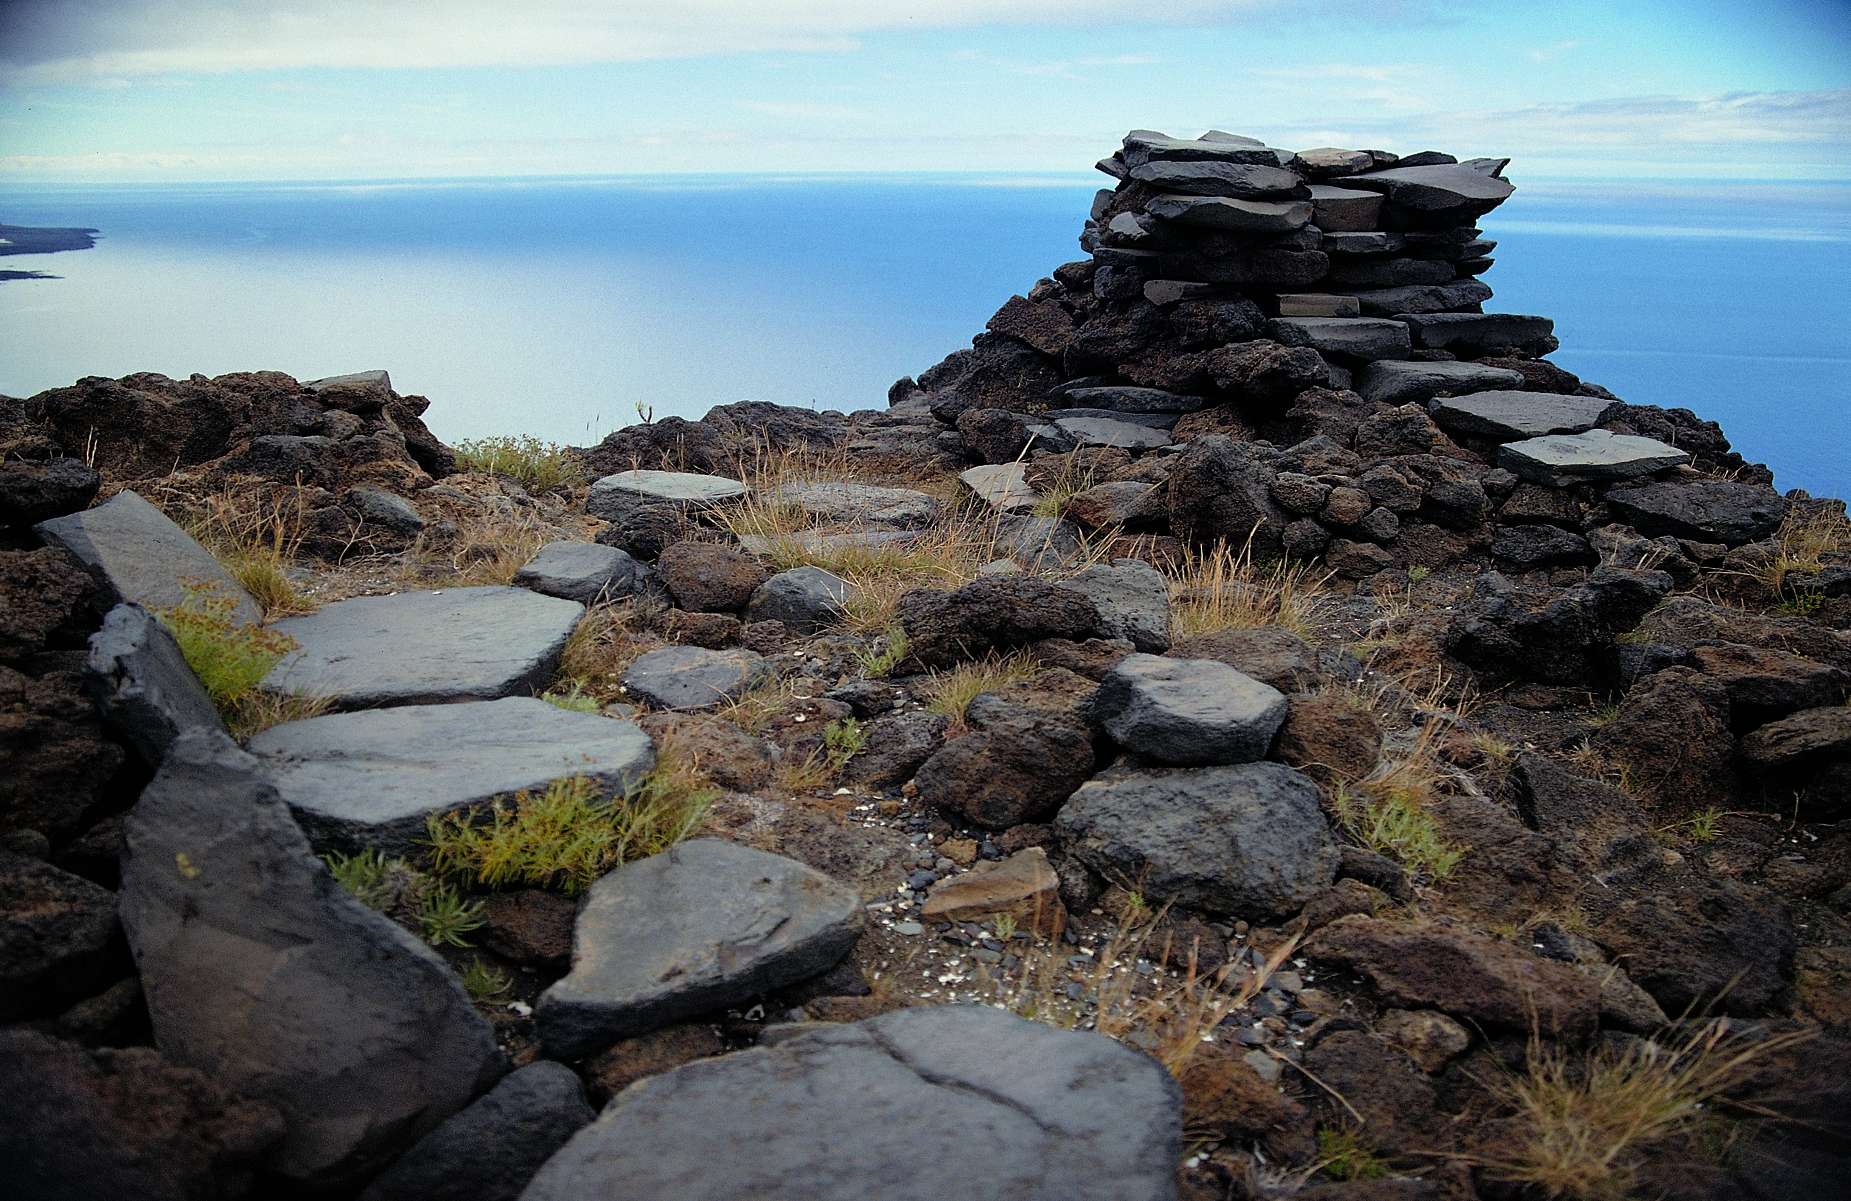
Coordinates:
[1543,54]
[799,111]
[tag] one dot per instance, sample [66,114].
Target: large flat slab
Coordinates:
[884,1109]
[1004,486]
[1108,431]
[860,504]
[1505,416]
[358,780]
[1394,382]
[1366,338]
[693,929]
[1441,193]
[615,496]
[460,644]
[1563,459]
[136,554]
[1239,216]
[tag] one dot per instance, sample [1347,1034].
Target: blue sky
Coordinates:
[102,90]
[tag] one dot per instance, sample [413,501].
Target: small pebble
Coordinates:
[909,929]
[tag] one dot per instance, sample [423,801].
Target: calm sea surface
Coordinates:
[559,307]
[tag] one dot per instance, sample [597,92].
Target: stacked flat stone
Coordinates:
[1361,255]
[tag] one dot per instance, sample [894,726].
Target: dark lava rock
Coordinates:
[1222,489]
[1727,511]
[991,613]
[141,682]
[879,1108]
[58,937]
[1391,1101]
[33,492]
[1672,734]
[1528,546]
[1555,637]
[530,926]
[1703,943]
[46,603]
[895,746]
[707,577]
[1269,653]
[805,599]
[1327,734]
[57,762]
[1018,764]
[1764,683]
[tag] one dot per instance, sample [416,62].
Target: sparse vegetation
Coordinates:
[1219,587]
[446,916]
[878,663]
[255,536]
[485,983]
[231,660]
[367,875]
[1393,822]
[604,642]
[572,698]
[1344,1156]
[949,692]
[535,465]
[490,549]
[1585,1123]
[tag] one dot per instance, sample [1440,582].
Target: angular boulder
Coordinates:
[1394,382]
[805,599]
[995,612]
[1133,599]
[1506,416]
[136,554]
[58,937]
[261,971]
[586,572]
[1016,765]
[139,679]
[1559,460]
[1188,712]
[692,677]
[1727,511]
[701,926]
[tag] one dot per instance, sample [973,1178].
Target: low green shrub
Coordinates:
[232,658]
[535,465]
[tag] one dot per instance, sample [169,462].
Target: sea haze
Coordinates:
[561,307]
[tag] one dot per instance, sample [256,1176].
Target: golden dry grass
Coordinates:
[949,692]
[1219,586]
[256,534]
[605,641]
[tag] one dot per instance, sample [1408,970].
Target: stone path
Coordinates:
[692,677]
[137,554]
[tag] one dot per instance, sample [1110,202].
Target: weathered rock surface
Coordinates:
[58,937]
[1393,382]
[1023,886]
[1507,416]
[804,598]
[1248,840]
[359,780]
[1563,459]
[265,974]
[459,644]
[136,554]
[142,684]
[1004,486]
[1188,711]
[878,1108]
[34,492]
[585,572]
[992,613]
[698,927]
[1133,599]
[1727,511]
[1016,765]
[616,496]
[688,677]
[858,504]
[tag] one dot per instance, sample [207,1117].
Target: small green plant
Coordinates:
[446,916]
[535,465]
[1418,572]
[893,648]
[231,658]
[842,741]
[1396,825]
[951,692]
[1803,604]
[484,983]
[1004,925]
[1342,1156]
[573,699]
[366,874]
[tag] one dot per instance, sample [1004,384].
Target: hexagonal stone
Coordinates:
[1504,416]
[1188,711]
[692,677]
[880,1109]
[615,496]
[1398,383]
[1563,459]
[459,644]
[586,572]
[696,928]
[358,780]
[136,554]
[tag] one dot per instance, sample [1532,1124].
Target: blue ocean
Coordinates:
[565,308]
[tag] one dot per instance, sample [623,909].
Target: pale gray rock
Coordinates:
[1248,840]
[261,971]
[136,554]
[1563,459]
[1504,416]
[701,926]
[139,679]
[1345,210]
[1004,486]
[1188,711]
[459,644]
[864,504]
[1358,337]
[377,378]
[1398,383]
[1239,216]
[586,572]
[880,1108]
[617,496]
[1108,431]
[1441,193]
[804,598]
[1206,178]
[1133,599]
[373,780]
[692,677]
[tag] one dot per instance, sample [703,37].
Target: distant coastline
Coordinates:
[31,239]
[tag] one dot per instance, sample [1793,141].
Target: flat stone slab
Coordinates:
[1359,337]
[1208,178]
[1156,421]
[262,971]
[1108,431]
[361,780]
[376,378]
[1446,192]
[696,928]
[1479,333]
[1422,298]
[1727,511]
[1133,599]
[1188,711]
[1345,210]
[863,504]
[692,677]
[1563,459]
[586,572]
[1318,304]
[1507,415]
[1240,216]
[139,679]
[1004,486]
[136,554]
[412,648]
[1247,840]
[1372,241]
[1123,398]
[881,1109]
[614,496]
[822,541]
[1143,145]
[1399,383]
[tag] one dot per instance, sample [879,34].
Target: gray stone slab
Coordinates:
[359,780]
[265,974]
[1335,161]
[1318,304]
[1156,421]
[1188,711]
[1422,298]
[1165,292]
[1728,511]
[883,1109]
[824,541]
[459,644]
[1345,210]
[1505,416]
[863,504]
[1143,145]
[136,554]
[701,926]
[1124,398]
[692,677]
[1247,840]
[377,378]
[1133,599]
[805,599]
[1480,333]
[1003,485]
[1109,431]
[1563,459]
[1361,242]
[616,496]
[139,679]
[1400,383]
[1238,216]
[586,572]
[1205,178]
[1442,192]
[1366,338]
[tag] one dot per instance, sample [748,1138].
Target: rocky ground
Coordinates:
[1152,756]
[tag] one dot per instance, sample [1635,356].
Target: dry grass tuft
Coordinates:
[949,692]
[1584,1124]
[489,550]
[1219,587]
[256,535]
[605,642]
[1807,540]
